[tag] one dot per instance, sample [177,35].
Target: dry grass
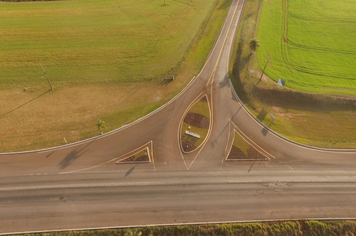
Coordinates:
[37,118]
[41,118]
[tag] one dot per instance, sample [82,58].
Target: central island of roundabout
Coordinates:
[196,125]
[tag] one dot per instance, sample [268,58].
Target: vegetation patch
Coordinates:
[241,150]
[197,120]
[195,125]
[188,145]
[296,228]
[141,156]
[316,119]
[106,59]
[310,44]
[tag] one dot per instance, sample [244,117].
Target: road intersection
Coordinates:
[81,186]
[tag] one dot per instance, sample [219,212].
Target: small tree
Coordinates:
[253,45]
[100,125]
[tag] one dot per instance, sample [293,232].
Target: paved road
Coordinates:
[80,186]
[108,199]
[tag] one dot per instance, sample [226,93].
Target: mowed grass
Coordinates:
[106,59]
[321,120]
[310,44]
[96,41]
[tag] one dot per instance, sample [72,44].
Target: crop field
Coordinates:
[310,44]
[316,119]
[95,41]
[107,59]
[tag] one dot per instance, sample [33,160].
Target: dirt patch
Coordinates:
[143,158]
[236,153]
[204,99]
[197,120]
[252,154]
[188,146]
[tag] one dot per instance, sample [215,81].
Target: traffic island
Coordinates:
[243,151]
[142,156]
[195,126]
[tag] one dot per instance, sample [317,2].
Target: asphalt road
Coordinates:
[81,186]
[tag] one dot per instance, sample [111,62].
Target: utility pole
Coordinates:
[49,82]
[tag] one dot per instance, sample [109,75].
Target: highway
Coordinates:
[109,199]
[81,186]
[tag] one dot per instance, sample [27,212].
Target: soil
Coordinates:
[197,120]
[252,153]
[133,158]
[236,153]
[204,99]
[187,146]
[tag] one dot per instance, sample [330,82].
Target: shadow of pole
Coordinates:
[6,113]
[130,171]
[73,155]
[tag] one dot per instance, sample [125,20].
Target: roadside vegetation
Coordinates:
[295,228]
[140,156]
[107,60]
[317,119]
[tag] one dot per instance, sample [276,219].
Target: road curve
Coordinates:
[81,186]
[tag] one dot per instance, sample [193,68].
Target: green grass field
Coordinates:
[96,41]
[107,60]
[310,44]
[321,120]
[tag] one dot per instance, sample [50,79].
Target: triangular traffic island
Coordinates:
[140,157]
[243,151]
[195,126]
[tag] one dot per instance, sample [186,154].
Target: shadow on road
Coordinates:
[50,154]
[264,131]
[73,155]
[227,125]
[129,171]
[251,166]
[224,82]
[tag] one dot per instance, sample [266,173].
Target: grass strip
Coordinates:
[296,228]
